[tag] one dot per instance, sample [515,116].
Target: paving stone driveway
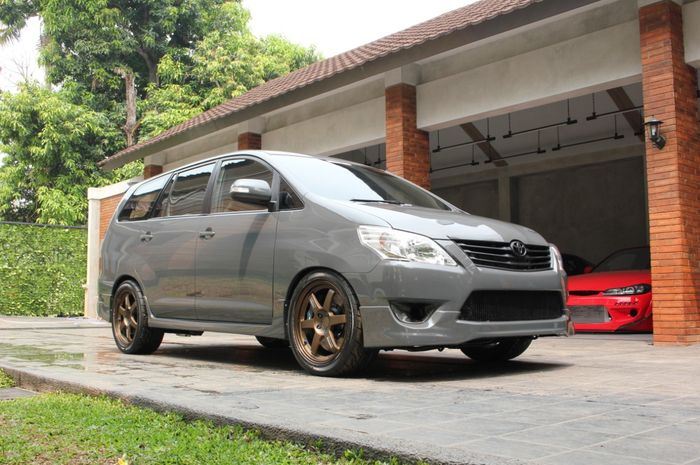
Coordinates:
[590,399]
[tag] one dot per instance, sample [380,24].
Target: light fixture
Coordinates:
[655,136]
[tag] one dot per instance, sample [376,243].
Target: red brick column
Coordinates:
[669,87]
[407,149]
[151,170]
[249,141]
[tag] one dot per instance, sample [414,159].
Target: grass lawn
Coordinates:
[58,428]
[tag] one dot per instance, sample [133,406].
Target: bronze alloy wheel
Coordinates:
[126,318]
[130,321]
[325,326]
[320,322]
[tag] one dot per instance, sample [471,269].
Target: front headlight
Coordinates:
[392,244]
[557,257]
[628,290]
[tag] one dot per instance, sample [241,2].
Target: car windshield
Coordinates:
[627,259]
[347,181]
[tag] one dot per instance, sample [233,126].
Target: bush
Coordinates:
[42,270]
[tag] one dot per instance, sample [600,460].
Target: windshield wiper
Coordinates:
[392,202]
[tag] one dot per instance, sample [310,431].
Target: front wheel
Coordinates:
[130,321]
[325,327]
[498,350]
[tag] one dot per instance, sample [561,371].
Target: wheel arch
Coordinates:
[118,282]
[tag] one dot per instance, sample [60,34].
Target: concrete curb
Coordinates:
[39,383]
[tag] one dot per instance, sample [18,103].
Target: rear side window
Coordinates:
[187,195]
[231,170]
[141,202]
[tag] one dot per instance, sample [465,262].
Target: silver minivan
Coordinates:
[334,259]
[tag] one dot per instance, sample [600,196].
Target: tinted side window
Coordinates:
[289,200]
[231,170]
[187,195]
[141,201]
[162,208]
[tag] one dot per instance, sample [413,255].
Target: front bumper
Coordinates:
[446,289]
[619,313]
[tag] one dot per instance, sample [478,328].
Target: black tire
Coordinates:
[333,327]
[272,343]
[130,321]
[498,350]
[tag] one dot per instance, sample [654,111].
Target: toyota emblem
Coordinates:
[519,249]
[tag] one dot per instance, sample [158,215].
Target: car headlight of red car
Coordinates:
[629,290]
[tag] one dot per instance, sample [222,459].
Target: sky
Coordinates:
[331,26]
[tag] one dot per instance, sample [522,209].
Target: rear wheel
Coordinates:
[130,322]
[498,350]
[325,327]
[272,343]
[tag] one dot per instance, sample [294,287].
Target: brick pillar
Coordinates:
[107,207]
[151,170]
[407,148]
[669,87]
[249,141]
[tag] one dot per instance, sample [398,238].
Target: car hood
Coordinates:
[608,279]
[442,224]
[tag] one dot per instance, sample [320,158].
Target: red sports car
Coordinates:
[615,295]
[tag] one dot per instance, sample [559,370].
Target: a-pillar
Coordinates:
[249,141]
[407,147]
[673,173]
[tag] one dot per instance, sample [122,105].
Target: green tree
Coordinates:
[228,62]
[119,67]
[52,147]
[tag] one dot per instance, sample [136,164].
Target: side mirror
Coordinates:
[587,269]
[251,191]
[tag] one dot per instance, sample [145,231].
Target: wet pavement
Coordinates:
[590,399]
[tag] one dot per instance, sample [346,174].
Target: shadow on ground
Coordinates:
[389,366]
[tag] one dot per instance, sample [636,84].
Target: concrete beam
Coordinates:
[691,33]
[592,62]
[335,132]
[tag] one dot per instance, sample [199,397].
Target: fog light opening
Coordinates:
[633,312]
[412,311]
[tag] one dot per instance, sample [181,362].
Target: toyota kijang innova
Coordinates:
[335,259]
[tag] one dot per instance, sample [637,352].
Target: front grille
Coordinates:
[584,292]
[512,306]
[500,255]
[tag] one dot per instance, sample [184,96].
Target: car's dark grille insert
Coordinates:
[512,306]
[584,292]
[500,255]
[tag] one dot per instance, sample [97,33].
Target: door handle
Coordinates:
[146,237]
[207,233]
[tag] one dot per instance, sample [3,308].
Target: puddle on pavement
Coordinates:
[47,357]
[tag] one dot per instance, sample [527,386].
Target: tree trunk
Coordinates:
[131,124]
[150,64]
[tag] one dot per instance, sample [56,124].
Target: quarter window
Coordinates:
[187,195]
[140,204]
[231,170]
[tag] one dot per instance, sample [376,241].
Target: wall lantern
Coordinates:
[654,136]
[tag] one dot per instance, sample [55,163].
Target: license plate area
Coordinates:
[589,314]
